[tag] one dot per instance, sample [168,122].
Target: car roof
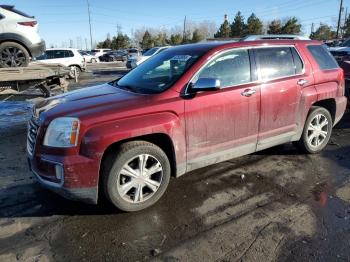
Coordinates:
[234,44]
[275,37]
[64,48]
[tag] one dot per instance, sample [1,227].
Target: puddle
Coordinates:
[13,113]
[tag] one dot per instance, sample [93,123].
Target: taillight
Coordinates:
[341,89]
[31,23]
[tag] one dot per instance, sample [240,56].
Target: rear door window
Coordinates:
[68,53]
[275,62]
[323,57]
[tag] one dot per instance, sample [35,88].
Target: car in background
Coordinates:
[19,38]
[69,57]
[134,61]
[89,57]
[274,37]
[186,108]
[100,51]
[114,56]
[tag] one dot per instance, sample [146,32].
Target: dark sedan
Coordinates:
[114,56]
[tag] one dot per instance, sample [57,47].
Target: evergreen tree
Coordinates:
[324,32]
[160,40]
[175,39]
[197,36]
[238,26]
[121,41]
[224,30]
[292,26]
[147,41]
[346,28]
[254,25]
[275,27]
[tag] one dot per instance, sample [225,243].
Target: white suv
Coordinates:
[69,57]
[19,38]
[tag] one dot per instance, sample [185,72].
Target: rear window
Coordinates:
[11,8]
[322,56]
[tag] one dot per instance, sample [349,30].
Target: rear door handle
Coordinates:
[248,92]
[303,82]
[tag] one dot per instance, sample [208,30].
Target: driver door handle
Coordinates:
[248,92]
[303,82]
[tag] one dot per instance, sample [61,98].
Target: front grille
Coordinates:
[33,127]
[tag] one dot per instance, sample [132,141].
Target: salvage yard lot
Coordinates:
[277,204]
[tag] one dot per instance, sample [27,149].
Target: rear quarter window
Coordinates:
[323,57]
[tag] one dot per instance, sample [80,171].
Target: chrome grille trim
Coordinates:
[33,128]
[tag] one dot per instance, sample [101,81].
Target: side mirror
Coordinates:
[206,84]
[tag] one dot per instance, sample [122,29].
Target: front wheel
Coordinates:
[317,131]
[137,176]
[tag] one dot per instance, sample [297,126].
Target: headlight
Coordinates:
[62,132]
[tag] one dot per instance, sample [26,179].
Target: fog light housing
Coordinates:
[59,172]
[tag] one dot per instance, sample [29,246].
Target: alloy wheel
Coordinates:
[317,131]
[12,57]
[140,178]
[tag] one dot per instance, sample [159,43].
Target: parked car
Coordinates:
[274,37]
[89,58]
[100,51]
[134,61]
[114,56]
[19,38]
[69,57]
[188,107]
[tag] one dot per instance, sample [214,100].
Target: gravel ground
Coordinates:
[275,205]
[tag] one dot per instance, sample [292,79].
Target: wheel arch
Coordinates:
[16,39]
[328,104]
[161,140]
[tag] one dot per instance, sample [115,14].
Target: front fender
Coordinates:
[98,138]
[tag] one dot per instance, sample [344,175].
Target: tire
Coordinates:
[13,55]
[115,176]
[314,140]
[73,70]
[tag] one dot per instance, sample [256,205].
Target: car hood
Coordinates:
[90,103]
[340,48]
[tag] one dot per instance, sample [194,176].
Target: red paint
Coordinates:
[207,123]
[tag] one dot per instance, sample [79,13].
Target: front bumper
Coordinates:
[37,49]
[79,179]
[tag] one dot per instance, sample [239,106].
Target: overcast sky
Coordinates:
[63,20]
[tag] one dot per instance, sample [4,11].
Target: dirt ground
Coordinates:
[275,205]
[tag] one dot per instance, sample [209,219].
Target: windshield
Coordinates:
[151,51]
[159,72]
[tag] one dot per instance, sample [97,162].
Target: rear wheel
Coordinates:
[74,72]
[317,131]
[137,176]
[13,55]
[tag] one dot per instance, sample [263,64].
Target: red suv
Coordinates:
[188,107]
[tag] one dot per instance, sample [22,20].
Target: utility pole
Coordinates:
[339,18]
[184,32]
[88,6]
[312,27]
